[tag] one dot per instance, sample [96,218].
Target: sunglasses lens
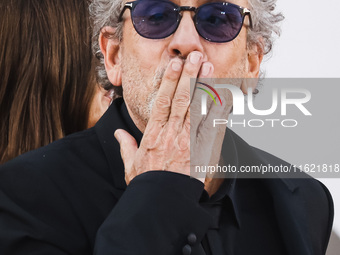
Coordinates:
[155,19]
[219,22]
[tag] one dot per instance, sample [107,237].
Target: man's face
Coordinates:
[143,61]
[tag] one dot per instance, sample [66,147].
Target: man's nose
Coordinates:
[185,39]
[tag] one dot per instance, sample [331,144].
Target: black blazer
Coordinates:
[70,197]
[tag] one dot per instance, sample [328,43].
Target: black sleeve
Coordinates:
[35,219]
[155,215]
[317,221]
[330,217]
[22,233]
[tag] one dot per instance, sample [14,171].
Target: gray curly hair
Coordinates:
[106,13]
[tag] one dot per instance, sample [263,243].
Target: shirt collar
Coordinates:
[237,152]
[116,117]
[226,192]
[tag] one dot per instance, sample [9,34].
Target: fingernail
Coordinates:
[205,69]
[176,66]
[195,57]
[117,135]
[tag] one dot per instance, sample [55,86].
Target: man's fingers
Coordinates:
[128,148]
[198,92]
[163,100]
[181,101]
[206,71]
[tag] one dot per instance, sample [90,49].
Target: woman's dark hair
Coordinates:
[47,72]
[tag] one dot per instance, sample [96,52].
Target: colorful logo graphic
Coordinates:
[209,93]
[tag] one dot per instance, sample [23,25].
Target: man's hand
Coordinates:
[166,140]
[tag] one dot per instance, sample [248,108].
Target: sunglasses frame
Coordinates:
[243,11]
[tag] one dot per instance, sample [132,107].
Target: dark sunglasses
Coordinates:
[218,22]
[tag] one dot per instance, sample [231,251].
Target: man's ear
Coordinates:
[111,51]
[254,60]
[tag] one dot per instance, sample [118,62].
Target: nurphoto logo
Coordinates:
[280,99]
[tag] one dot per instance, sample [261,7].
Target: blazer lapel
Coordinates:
[116,117]
[291,214]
